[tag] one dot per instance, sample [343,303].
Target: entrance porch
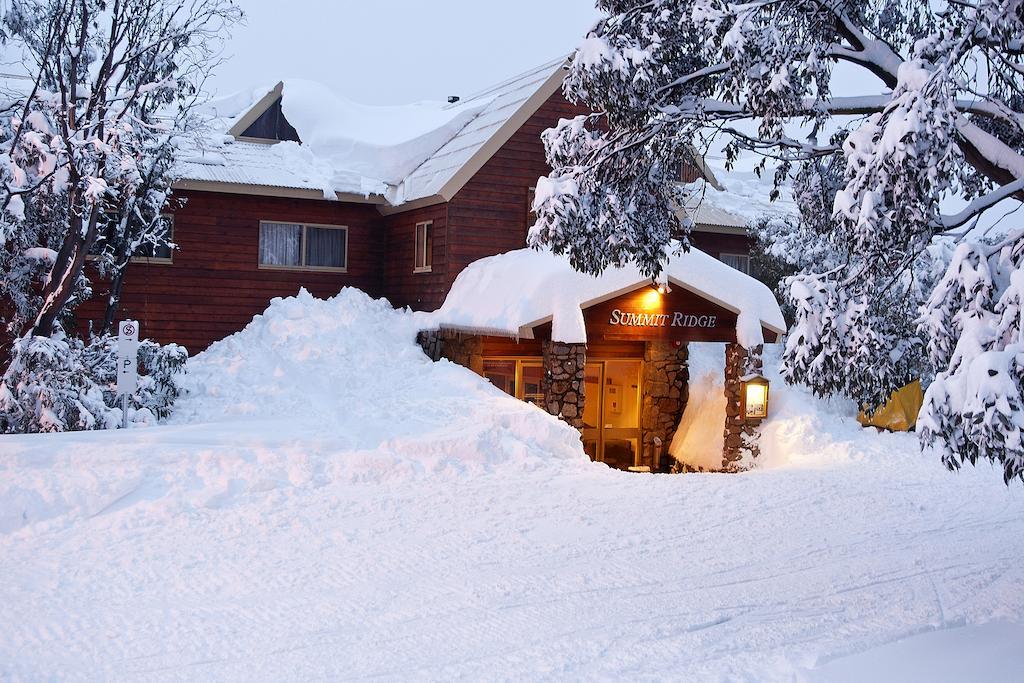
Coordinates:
[608,355]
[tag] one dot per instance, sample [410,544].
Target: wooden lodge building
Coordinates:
[288,197]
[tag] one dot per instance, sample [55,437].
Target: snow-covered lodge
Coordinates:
[428,202]
[302,188]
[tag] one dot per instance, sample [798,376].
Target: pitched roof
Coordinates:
[507,107]
[460,139]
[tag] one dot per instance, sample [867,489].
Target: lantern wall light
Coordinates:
[753,398]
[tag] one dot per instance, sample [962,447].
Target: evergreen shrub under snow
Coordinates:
[61,383]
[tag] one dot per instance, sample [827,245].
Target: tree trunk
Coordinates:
[67,269]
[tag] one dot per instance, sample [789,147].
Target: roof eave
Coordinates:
[274,191]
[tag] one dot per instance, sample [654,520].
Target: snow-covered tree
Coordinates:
[880,114]
[87,149]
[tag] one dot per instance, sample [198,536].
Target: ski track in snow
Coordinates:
[476,542]
[567,570]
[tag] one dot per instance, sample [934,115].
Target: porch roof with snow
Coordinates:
[514,293]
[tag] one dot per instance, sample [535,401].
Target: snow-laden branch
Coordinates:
[981,205]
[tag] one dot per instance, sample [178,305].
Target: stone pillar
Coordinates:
[431,343]
[741,437]
[666,391]
[563,380]
[465,350]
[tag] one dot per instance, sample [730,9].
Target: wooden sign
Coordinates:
[647,315]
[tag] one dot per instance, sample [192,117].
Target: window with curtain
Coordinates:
[740,262]
[298,245]
[424,247]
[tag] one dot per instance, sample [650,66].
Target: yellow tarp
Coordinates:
[900,412]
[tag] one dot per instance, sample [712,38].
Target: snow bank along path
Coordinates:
[332,505]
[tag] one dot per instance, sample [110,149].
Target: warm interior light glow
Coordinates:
[756,401]
[652,299]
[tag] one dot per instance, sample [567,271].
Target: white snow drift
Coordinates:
[330,504]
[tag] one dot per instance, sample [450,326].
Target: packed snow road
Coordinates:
[440,530]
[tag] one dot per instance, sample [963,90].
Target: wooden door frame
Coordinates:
[600,428]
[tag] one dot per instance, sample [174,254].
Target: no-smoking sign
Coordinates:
[127,357]
[128,329]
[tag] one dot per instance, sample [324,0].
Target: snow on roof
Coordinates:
[742,199]
[403,152]
[285,165]
[500,104]
[509,294]
[383,143]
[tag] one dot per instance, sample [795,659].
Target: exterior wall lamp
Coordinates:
[661,287]
[753,398]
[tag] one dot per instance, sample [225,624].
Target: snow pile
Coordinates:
[311,392]
[801,430]
[510,293]
[347,369]
[700,437]
[382,142]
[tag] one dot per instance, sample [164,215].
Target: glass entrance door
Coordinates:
[611,412]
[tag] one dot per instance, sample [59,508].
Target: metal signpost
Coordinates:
[127,364]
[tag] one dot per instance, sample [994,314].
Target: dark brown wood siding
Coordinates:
[490,214]
[214,286]
[715,243]
[402,286]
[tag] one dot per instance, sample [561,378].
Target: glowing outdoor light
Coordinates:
[661,287]
[754,398]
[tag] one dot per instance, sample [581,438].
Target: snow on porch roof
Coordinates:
[511,293]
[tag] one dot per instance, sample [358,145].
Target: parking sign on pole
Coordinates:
[127,363]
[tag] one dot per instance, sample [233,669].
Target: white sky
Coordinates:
[398,51]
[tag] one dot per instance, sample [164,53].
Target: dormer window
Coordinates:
[271,125]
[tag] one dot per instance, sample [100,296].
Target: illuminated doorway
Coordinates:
[611,412]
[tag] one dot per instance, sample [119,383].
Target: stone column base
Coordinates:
[741,437]
[563,380]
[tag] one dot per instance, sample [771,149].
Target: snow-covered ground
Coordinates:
[329,505]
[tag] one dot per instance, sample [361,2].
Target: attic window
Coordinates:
[272,125]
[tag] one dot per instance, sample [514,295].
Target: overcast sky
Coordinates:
[397,51]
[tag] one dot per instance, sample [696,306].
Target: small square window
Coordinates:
[424,247]
[325,247]
[162,253]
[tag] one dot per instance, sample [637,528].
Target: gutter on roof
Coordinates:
[274,191]
[387,209]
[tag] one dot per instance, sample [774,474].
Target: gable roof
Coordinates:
[446,152]
[508,106]
[396,157]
